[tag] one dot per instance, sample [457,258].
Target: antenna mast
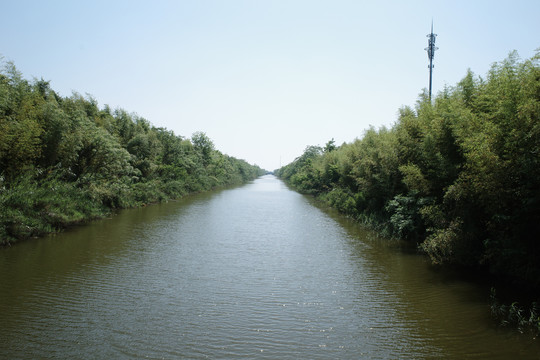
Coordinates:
[431,54]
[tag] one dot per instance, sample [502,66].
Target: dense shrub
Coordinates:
[459,176]
[65,160]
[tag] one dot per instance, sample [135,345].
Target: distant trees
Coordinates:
[460,177]
[65,160]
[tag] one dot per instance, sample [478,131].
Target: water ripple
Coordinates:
[254,272]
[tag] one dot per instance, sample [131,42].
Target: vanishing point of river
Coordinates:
[255,272]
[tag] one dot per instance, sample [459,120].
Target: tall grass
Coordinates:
[31,208]
[515,315]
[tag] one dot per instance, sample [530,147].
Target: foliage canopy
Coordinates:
[459,176]
[64,160]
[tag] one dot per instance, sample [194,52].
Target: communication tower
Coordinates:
[431,54]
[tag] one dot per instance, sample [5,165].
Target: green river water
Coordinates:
[254,272]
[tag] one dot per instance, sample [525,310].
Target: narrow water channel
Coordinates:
[255,272]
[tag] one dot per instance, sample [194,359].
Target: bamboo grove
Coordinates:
[459,176]
[63,160]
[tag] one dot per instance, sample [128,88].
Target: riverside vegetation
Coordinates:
[63,160]
[459,177]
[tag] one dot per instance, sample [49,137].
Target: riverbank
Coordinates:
[66,161]
[458,176]
[33,207]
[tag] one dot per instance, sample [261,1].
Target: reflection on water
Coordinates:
[251,272]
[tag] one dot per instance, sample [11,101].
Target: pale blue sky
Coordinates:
[263,79]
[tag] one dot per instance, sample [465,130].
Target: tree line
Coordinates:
[65,160]
[458,176]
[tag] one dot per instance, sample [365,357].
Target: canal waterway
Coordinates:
[255,272]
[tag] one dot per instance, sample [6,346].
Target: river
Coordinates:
[254,272]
